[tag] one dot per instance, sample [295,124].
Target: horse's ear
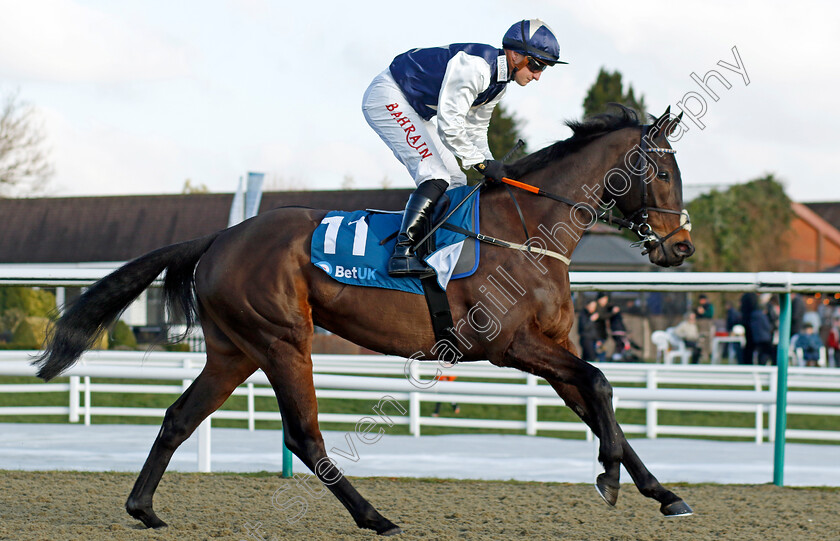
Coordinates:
[656,126]
[672,124]
[666,124]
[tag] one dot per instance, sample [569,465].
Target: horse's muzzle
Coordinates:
[669,254]
[683,249]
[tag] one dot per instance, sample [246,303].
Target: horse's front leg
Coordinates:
[537,354]
[671,505]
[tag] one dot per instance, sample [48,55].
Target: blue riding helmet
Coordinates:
[533,38]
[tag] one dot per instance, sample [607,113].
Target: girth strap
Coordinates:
[439,309]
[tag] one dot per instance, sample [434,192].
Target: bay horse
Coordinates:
[257,297]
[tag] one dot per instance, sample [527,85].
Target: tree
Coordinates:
[349,183]
[743,228]
[30,301]
[24,166]
[122,337]
[502,135]
[608,88]
[24,313]
[190,188]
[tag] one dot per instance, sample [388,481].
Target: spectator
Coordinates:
[623,343]
[689,332]
[654,303]
[771,302]
[761,332]
[619,333]
[749,303]
[456,409]
[633,307]
[603,308]
[810,344]
[812,317]
[705,312]
[797,313]
[705,309]
[588,332]
[733,318]
[833,342]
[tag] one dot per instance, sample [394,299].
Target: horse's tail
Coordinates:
[85,320]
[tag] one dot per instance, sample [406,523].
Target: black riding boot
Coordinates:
[404,262]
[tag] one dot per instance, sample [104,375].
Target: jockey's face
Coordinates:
[523,74]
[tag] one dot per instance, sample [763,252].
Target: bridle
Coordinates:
[642,228]
[636,222]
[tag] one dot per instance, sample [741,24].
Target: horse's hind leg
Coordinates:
[290,374]
[224,371]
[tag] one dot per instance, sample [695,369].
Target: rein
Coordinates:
[641,228]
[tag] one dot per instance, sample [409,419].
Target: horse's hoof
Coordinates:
[605,490]
[676,509]
[394,530]
[147,517]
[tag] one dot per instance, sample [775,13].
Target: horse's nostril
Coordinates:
[683,249]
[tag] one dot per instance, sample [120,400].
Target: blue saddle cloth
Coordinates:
[347,246]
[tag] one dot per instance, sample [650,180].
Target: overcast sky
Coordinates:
[138,96]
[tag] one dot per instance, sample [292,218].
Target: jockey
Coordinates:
[460,84]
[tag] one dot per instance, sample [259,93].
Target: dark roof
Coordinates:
[830,212]
[608,252]
[119,228]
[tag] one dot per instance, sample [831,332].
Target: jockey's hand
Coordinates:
[493,170]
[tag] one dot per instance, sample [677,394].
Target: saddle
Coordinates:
[354,247]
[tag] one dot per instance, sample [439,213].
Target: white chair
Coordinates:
[660,341]
[669,347]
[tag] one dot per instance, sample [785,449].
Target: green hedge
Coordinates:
[122,337]
[33,302]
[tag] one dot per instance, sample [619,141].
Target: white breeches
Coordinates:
[414,141]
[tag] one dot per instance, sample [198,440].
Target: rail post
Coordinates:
[74,399]
[531,408]
[781,391]
[287,457]
[87,400]
[204,445]
[414,403]
[251,417]
[651,410]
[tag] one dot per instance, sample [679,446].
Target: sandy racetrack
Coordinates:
[89,506]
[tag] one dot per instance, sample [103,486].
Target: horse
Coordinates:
[257,297]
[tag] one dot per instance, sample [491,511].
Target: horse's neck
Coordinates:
[580,178]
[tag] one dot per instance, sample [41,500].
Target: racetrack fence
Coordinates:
[652,388]
[771,282]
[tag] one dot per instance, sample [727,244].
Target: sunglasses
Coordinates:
[535,65]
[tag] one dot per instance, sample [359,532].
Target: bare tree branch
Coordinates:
[24,165]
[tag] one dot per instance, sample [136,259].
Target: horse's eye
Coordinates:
[663,175]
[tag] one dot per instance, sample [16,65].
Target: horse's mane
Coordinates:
[584,132]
